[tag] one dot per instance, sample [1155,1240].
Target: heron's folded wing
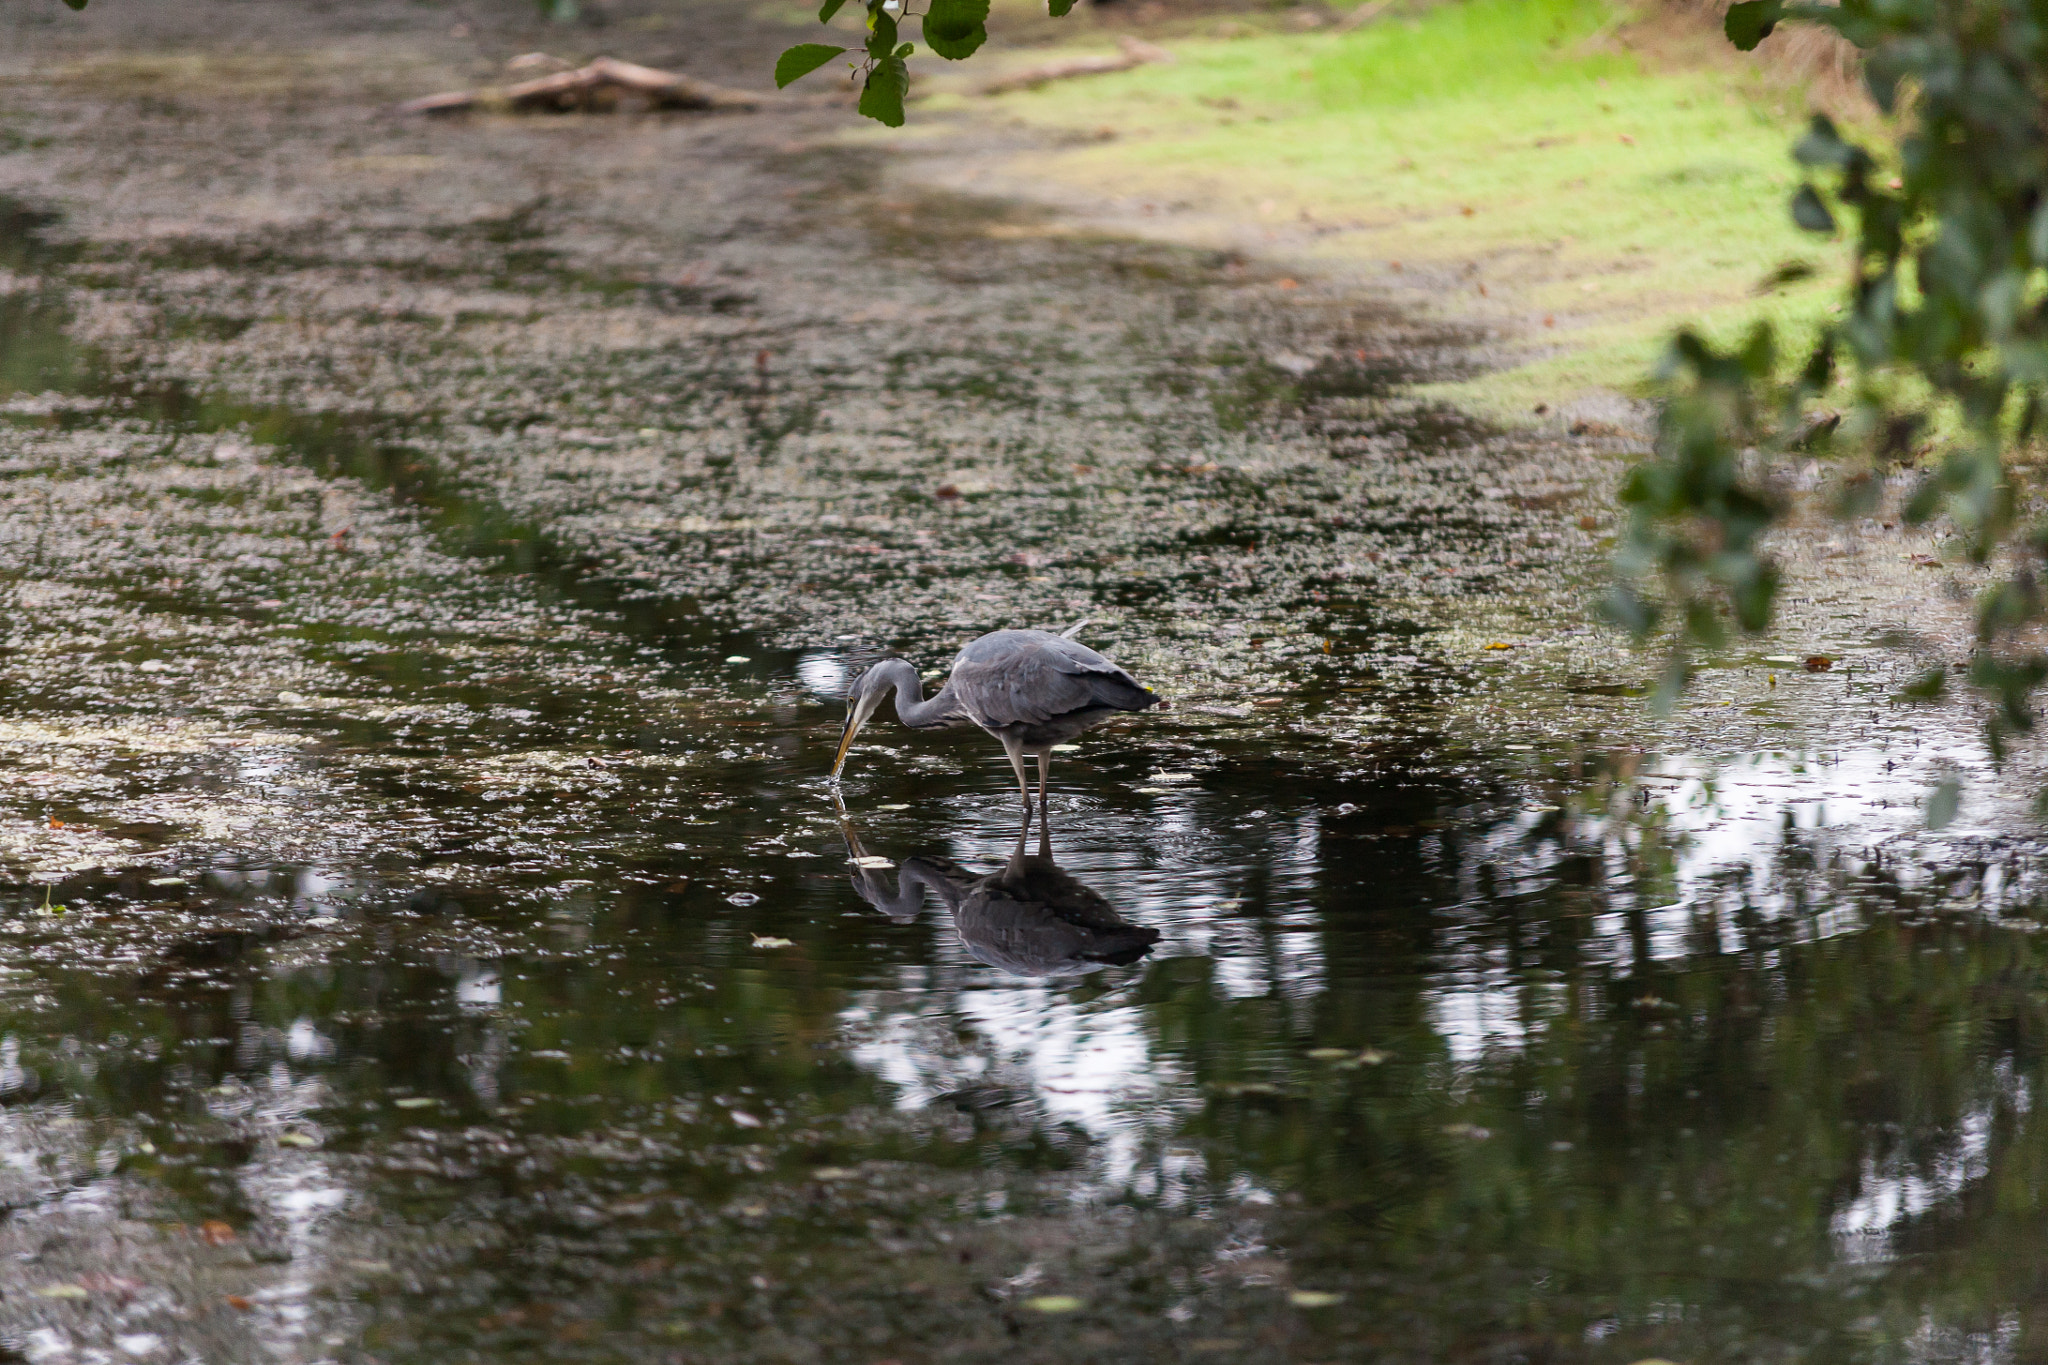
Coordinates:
[1051,677]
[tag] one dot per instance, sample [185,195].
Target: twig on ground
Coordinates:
[1135,53]
[597,85]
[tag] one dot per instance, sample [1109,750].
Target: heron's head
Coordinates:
[863,696]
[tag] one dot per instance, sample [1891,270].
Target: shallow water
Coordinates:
[428,932]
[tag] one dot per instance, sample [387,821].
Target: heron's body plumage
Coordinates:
[1045,688]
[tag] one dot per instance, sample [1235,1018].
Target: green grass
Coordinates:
[1506,143]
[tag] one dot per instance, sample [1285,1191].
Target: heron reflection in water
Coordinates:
[1030,689]
[1030,916]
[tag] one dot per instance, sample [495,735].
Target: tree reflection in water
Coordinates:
[1518,1084]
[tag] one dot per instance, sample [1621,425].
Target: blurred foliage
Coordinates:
[954,29]
[1940,352]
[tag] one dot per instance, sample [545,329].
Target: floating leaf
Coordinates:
[794,65]
[414,1102]
[1054,1303]
[770,941]
[1314,1298]
[296,1140]
[63,1291]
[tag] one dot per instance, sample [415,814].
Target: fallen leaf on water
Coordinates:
[216,1233]
[896,806]
[413,1102]
[1314,1298]
[1054,1303]
[1329,1054]
[833,1173]
[1372,1056]
[238,1303]
[770,941]
[1817,663]
[296,1140]
[1500,644]
[62,1291]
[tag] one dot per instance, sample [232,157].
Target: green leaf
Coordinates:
[828,9]
[1927,686]
[75,4]
[2037,235]
[881,98]
[1942,803]
[1058,8]
[906,49]
[1822,145]
[956,49]
[954,19]
[955,28]
[1750,22]
[802,60]
[881,36]
[1809,212]
[1625,608]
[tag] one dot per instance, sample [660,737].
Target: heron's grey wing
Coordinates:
[1030,676]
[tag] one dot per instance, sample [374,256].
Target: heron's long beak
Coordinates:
[853,720]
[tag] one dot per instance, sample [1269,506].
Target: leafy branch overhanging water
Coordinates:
[1941,347]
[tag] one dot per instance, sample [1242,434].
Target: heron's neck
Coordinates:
[911,707]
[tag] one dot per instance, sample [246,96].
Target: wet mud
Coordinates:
[431,557]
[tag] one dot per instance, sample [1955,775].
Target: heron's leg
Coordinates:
[1044,811]
[1014,747]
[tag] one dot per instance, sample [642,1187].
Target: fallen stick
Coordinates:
[1135,53]
[592,86]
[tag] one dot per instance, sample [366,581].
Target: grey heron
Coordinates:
[1030,689]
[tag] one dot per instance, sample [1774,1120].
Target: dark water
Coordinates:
[457,954]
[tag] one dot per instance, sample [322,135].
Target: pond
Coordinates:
[430,933]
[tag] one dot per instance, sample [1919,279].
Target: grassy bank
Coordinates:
[1518,160]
